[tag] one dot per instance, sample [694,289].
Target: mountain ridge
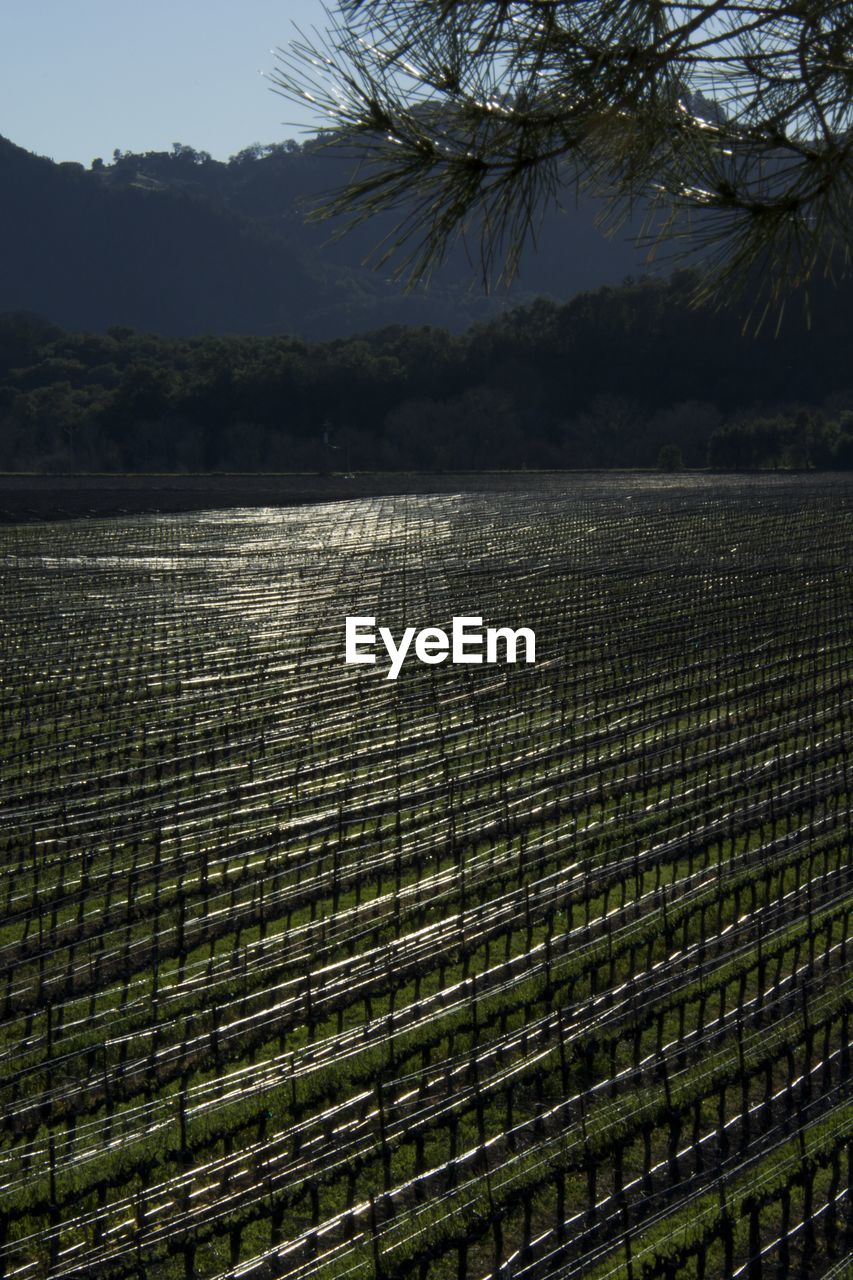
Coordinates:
[180,244]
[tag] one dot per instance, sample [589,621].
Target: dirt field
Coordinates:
[57,497]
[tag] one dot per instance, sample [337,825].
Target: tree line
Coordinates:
[632,376]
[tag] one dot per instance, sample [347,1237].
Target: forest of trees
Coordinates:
[624,377]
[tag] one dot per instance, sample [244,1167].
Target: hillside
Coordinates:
[180,244]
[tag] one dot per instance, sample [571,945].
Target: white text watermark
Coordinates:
[468,642]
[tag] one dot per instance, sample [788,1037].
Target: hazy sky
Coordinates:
[79,78]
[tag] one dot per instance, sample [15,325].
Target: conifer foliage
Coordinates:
[733,118]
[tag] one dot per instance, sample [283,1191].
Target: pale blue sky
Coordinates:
[79,78]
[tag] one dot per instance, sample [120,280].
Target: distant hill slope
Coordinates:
[179,244]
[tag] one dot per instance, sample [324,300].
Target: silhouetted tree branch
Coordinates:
[732,120]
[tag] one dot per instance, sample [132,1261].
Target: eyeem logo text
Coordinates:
[465,643]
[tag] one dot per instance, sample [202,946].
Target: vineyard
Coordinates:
[521,972]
